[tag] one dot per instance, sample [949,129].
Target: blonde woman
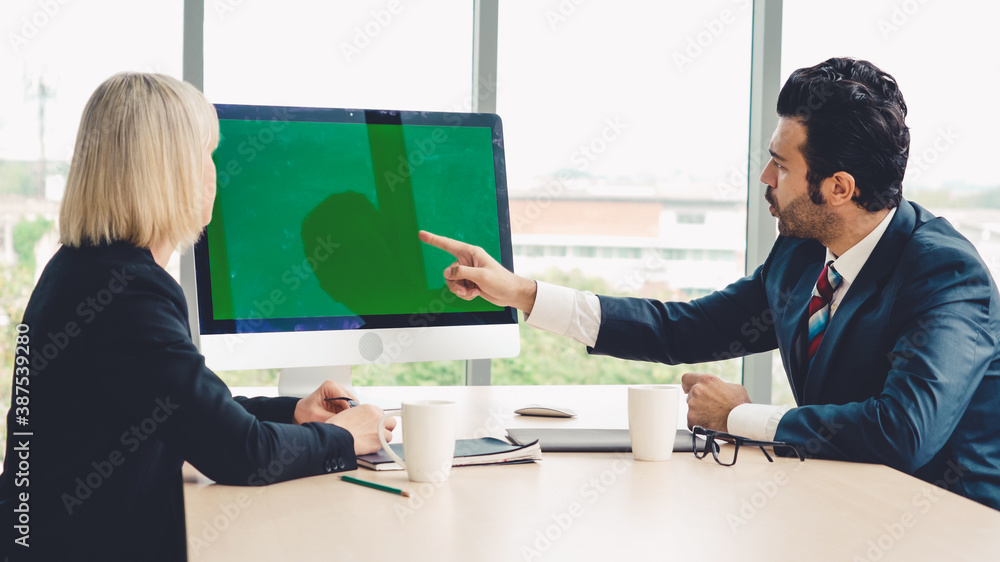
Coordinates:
[119,395]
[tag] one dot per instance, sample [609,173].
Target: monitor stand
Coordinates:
[302,381]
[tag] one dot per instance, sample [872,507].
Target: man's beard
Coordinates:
[802,218]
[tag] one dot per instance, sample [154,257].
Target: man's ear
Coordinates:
[840,188]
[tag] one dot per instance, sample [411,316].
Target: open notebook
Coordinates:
[468,452]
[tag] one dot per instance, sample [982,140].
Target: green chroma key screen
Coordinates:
[317,211]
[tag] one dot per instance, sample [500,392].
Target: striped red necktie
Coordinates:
[819,305]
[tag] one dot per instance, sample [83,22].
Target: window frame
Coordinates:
[764,84]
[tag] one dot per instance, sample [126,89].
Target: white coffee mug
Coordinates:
[428,439]
[652,420]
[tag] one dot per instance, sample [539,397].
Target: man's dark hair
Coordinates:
[854,116]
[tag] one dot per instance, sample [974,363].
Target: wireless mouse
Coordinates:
[545,411]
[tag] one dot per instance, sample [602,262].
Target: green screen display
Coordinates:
[316,219]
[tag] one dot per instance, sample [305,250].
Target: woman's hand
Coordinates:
[316,407]
[362,422]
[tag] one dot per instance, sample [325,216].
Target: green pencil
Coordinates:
[403,493]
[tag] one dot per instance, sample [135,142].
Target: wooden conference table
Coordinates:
[595,506]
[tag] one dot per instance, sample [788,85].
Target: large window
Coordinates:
[54,54]
[626,125]
[946,59]
[626,136]
[371,54]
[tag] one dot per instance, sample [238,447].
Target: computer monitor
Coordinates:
[312,259]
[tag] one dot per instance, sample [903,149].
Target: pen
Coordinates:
[350,401]
[403,493]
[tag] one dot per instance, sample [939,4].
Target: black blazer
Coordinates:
[119,399]
[908,374]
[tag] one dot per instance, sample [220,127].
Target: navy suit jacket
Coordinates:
[908,374]
[120,398]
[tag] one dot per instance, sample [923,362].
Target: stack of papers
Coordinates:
[468,452]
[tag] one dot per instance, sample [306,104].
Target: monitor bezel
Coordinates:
[210,326]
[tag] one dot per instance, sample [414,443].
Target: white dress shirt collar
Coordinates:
[849,264]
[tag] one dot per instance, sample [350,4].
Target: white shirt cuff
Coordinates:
[566,312]
[552,309]
[756,421]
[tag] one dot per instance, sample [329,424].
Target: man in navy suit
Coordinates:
[885,316]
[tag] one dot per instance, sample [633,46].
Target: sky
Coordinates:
[626,90]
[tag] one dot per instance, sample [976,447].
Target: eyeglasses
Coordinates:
[726,456]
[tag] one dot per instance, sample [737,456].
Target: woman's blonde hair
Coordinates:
[136,174]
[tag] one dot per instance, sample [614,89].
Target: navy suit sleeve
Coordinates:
[939,358]
[157,375]
[279,409]
[733,322]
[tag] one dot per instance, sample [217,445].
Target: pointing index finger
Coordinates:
[453,247]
